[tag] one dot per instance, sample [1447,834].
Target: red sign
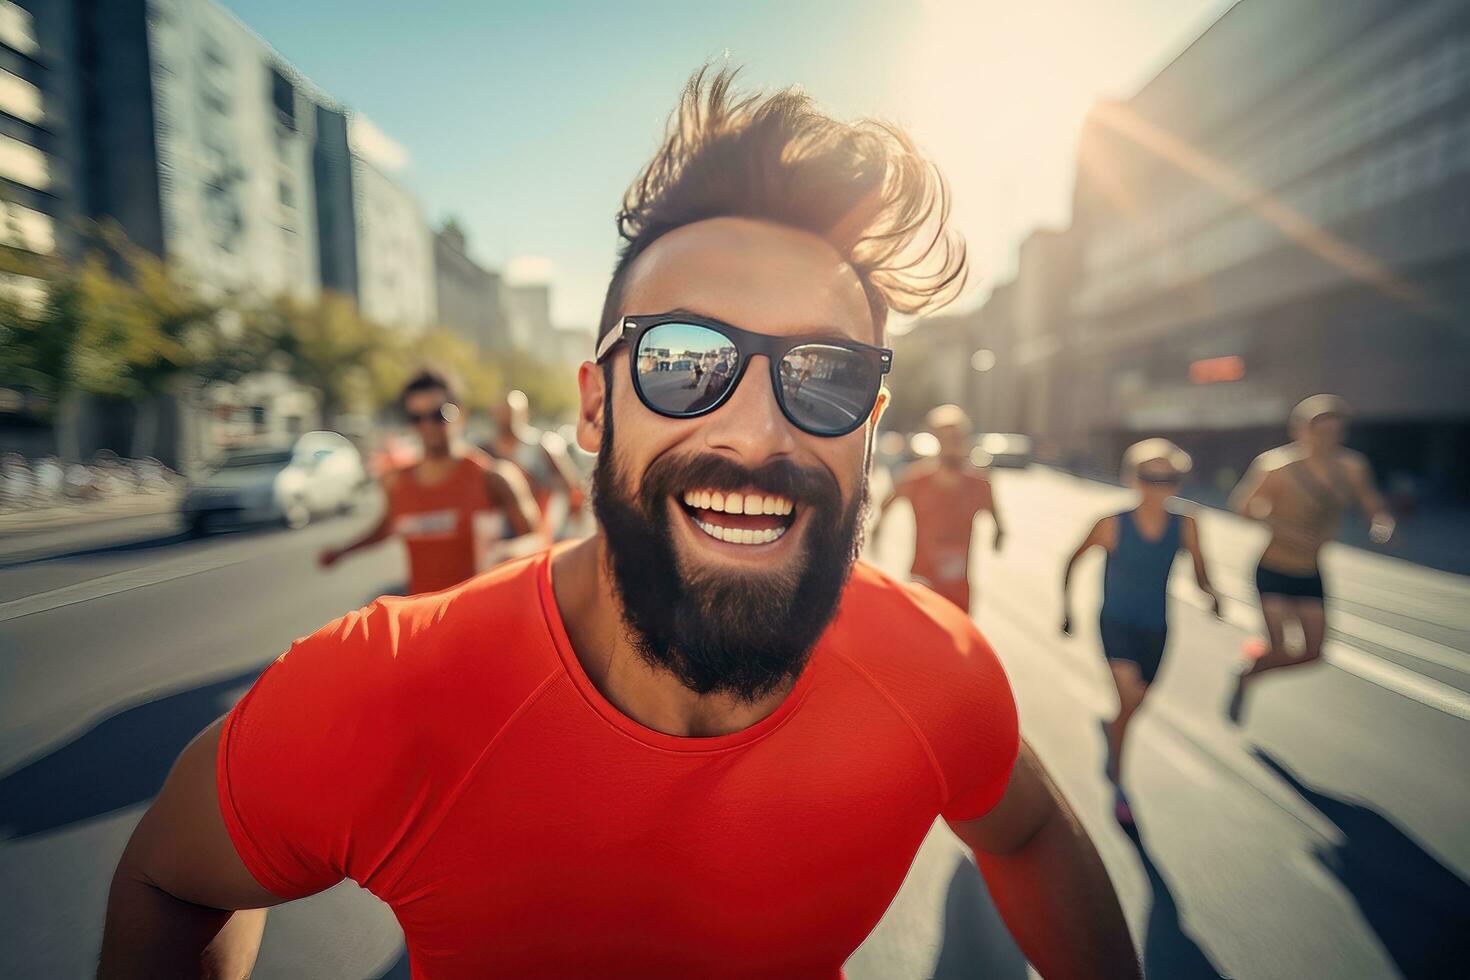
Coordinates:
[1214,370]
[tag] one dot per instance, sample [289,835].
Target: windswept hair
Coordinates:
[862,186]
[429,379]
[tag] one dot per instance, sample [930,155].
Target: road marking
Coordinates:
[1372,668]
[133,578]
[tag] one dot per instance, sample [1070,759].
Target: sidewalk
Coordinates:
[86,512]
[46,531]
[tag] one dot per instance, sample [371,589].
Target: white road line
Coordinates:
[124,581]
[1369,667]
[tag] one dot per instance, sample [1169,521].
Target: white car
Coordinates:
[321,474]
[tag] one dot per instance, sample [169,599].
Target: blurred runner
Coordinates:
[705,741]
[946,492]
[457,510]
[542,457]
[1140,545]
[1301,491]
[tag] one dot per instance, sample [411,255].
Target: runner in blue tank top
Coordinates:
[1141,545]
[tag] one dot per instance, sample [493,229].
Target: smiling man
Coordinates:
[704,742]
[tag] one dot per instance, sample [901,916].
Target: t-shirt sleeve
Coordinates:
[981,738]
[307,759]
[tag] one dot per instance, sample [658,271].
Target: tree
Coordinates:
[324,344]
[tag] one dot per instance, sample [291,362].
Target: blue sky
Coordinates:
[528,121]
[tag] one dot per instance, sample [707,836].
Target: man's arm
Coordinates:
[987,502]
[1099,535]
[1252,496]
[1048,882]
[383,530]
[508,488]
[172,909]
[563,470]
[1189,537]
[1360,476]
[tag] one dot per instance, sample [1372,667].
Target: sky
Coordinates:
[526,122]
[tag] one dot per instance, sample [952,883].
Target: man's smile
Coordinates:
[745,518]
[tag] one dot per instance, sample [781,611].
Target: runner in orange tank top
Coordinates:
[946,493]
[446,505]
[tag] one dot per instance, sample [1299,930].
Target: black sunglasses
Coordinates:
[685,366]
[1160,479]
[444,414]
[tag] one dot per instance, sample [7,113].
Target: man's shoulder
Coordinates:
[1273,460]
[908,638]
[922,656]
[486,633]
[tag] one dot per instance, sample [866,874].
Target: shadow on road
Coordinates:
[976,941]
[119,762]
[1419,908]
[1168,949]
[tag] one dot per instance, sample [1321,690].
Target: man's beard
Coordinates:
[742,634]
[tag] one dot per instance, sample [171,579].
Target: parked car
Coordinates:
[322,473]
[1004,450]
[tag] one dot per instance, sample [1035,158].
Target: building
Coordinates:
[1283,210]
[395,250]
[38,155]
[528,318]
[468,295]
[201,144]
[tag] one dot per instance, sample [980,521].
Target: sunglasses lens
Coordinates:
[684,369]
[829,390]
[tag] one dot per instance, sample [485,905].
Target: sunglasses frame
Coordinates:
[747,344]
[443,415]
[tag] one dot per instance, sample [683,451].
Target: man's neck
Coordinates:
[654,698]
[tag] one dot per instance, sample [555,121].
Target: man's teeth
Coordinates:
[738,503]
[741,535]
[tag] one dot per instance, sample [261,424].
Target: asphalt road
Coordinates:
[1324,837]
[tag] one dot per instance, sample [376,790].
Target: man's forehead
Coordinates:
[757,275]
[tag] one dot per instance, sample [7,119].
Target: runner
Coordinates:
[1141,545]
[542,458]
[1301,491]
[946,492]
[703,742]
[456,509]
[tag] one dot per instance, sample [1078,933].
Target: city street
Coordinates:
[1326,836]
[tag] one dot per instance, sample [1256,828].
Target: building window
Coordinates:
[22,228]
[283,96]
[24,164]
[20,98]
[17,29]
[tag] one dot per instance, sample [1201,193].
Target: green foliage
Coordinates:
[119,323]
[125,336]
[550,388]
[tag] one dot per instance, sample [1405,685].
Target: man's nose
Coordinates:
[750,426]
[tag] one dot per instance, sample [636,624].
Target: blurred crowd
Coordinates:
[48,481]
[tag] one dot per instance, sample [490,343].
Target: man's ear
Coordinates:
[592,392]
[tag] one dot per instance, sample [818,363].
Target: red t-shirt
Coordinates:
[449,754]
[945,504]
[437,521]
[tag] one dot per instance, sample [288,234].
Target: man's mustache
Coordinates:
[781,477]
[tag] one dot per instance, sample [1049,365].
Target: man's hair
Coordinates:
[948,417]
[1309,410]
[427,379]
[1155,450]
[862,186]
